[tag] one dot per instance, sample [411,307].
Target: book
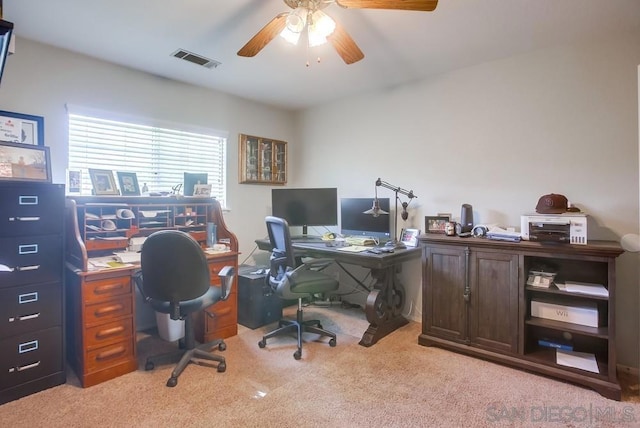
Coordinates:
[548,343]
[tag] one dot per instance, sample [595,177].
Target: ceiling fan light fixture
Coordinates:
[320,27]
[297,19]
[290,36]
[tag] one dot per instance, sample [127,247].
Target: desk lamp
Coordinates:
[376,210]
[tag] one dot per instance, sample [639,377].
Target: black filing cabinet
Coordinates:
[257,305]
[31,288]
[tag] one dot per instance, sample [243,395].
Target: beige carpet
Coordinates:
[395,383]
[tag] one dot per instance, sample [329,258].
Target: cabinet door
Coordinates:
[444,311]
[493,310]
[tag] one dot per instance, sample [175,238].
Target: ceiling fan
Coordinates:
[320,28]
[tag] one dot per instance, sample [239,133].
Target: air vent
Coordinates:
[196,59]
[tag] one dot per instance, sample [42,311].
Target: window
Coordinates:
[158,156]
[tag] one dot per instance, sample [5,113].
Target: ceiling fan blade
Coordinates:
[420,5]
[345,46]
[264,36]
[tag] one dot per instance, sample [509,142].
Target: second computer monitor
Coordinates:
[354,222]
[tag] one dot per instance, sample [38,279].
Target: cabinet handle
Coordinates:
[26,268]
[109,332]
[24,218]
[28,317]
[111,353]
[29,366]
[27,200]
[108,288]
[107,310]
[466,296]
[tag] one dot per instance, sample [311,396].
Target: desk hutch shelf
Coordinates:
[476,301]
[101,323]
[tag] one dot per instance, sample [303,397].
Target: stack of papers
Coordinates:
[501,234]
[584,288]
[580,360]
[353,248]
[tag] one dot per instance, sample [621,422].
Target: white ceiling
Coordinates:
[399,46]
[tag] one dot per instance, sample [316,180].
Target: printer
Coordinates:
[569,227]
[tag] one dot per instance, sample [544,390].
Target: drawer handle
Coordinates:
[27,268]
[108,310]
[108,288]
[26,317]
[109,332]
[24,218]
[27,367]
[115,352]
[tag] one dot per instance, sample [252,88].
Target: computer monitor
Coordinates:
[191,179]
[353,221]
[306,207]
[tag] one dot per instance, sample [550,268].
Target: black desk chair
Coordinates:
[175,280]
[290,280]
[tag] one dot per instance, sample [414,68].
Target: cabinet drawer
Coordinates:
[30,259]
[112,332]
[30,356]
[108,310]
[31,209]
[215,268]
[96,291]
[115,353]
[30,308]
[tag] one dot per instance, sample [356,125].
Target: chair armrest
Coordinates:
[226,275]
[316,264]
[138,280]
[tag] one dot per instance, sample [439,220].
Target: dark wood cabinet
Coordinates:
[31,277]
[476,300]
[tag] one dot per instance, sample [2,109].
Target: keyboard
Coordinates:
[360,240]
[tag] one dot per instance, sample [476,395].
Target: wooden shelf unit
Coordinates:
[262,160]
[476,301]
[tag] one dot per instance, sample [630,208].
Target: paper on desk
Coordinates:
[580,360]
[353,248]
[586,288]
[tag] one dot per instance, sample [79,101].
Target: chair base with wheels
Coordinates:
[300,326]
[189,352]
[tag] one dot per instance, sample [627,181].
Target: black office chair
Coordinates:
[174,279]
[291,280]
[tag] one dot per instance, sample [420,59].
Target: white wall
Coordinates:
[40,80]
[498,136]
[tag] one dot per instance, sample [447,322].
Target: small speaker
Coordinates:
[466,218]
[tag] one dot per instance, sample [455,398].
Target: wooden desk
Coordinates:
[385,302]
[100,303]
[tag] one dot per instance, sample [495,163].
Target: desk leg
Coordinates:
[384,306]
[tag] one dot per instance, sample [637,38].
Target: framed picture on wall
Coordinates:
[21,128]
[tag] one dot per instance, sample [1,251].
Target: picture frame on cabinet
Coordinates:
[103,182]
[409,237]
[24,162]
[21,128]
[128,183]
[74,181]
[435,224]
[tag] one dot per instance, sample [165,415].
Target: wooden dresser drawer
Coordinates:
[30,356]
[29,308]
[96,291]
[108,310]
[30,259]
[105,334]
[113,354]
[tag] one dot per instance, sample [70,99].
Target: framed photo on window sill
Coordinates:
[103,182]
[128,184]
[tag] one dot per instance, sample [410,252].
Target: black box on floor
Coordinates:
[257,305]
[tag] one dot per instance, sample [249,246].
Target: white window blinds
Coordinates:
[158,156]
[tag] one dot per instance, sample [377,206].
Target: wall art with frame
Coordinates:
[21,128]
[435,224]
[103,182]
[24,162]
[128,183]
